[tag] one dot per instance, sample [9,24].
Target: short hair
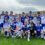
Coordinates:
[38,12]
[6,12]
[23,12]
[2,13]
[11,11]
[30,11]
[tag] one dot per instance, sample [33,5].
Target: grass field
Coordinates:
[14,41]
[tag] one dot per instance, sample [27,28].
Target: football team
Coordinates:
[25,25]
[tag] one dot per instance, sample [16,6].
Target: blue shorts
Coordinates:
[43,25]
[38,33]
[25,29]
[44,34]
[7,33]
[12,32]
[1,25]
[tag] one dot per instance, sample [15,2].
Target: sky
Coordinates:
[22,5]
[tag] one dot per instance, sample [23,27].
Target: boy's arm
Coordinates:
[17,28]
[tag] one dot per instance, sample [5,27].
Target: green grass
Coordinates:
[14,41]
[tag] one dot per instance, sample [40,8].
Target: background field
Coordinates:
[15,41]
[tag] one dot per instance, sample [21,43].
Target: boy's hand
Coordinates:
[35,32]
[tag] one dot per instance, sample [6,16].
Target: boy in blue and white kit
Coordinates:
[11,17]
[43,26]
[6,28]
[26,29]
[13,28]
[19,29]
[38,29]
[23,17]
[30,15]
[1,23]
[43,32]
[2,15]
[19,25]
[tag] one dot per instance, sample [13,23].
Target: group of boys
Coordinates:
[23,25]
